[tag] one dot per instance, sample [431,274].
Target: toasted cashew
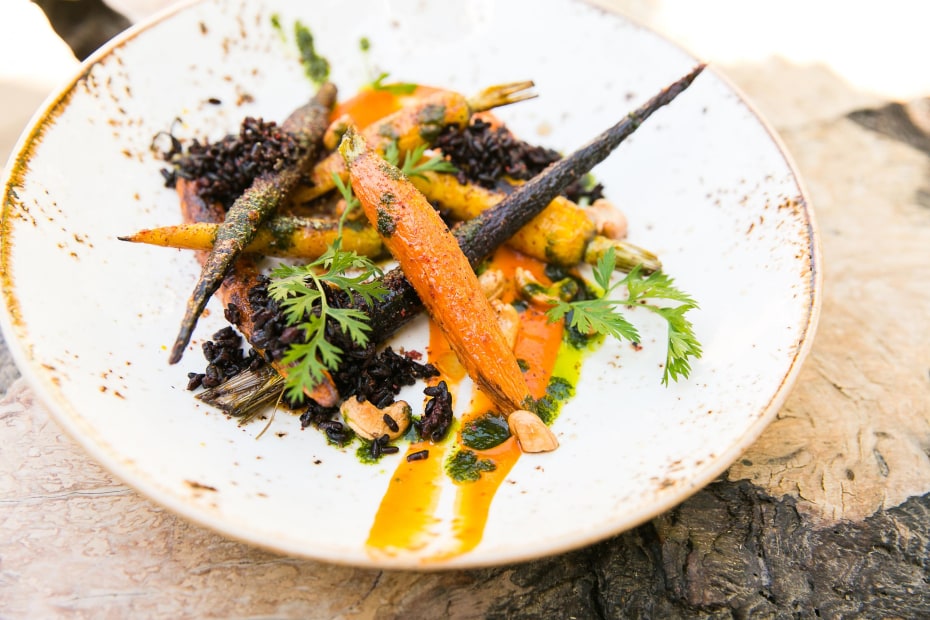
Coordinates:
[493,283]
[610,221]
[535,292]
[509,320]
[369,422]
[532,433]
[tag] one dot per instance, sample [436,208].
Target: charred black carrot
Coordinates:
[482,235]
[254,206]
[562,234]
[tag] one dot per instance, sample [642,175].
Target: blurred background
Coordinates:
[876,48]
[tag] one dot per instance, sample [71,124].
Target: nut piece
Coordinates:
[493,283]
[368,421]
[609,220]
[509,320]
[532,433]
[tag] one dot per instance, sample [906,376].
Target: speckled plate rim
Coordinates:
[712,470]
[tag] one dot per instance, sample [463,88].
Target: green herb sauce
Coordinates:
[466,466]
[315,66]
[363,453]
[485,432]
[390,171]
[276,24]
[564,377]
[282,231]
[386,223]
[431,121]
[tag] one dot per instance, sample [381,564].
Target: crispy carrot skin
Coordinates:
[252,208]
[480,236]
[436,268]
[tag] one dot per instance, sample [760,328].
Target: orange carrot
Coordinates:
[435,266]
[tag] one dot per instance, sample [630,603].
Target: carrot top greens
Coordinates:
[301,292]
[601,315]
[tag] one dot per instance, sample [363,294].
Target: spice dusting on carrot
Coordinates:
[437,269]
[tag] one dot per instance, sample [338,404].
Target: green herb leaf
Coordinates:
[412,166]
[300,291]
[601,315]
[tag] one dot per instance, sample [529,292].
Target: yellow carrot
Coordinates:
[435,266]
[284,237]
[562,233]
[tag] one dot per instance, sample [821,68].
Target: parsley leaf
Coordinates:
[601,315]
[301,292]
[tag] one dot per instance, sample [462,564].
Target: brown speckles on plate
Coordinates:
[199,486]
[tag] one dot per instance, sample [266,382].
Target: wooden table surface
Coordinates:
[827,515]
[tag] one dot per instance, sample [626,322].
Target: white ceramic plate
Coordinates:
[704,183]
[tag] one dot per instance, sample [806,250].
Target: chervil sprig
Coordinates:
[301,293]
[602,315]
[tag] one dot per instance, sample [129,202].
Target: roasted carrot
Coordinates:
[254,206]
[281,236]
[562,234]
[479,237]
[412,126]
[434,265]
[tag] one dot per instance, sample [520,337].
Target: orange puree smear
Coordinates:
[407,520]
[371,105]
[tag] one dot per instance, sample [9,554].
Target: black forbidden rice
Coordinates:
[437,415]
[419,455]
[381,446]
[484,154]
[369,374]
[390,423]
[225,359]
[227,167]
